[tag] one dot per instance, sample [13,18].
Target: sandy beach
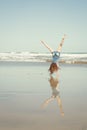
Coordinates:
[24,87]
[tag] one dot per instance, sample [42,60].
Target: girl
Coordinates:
[55,55]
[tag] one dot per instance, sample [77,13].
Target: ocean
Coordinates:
[70,58]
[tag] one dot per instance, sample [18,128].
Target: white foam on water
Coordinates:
[42,57]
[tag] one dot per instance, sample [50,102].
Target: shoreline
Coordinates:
[45,62]
[25,86]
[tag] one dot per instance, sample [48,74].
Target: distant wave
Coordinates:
[70,58]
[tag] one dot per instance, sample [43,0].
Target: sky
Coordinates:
[23,23]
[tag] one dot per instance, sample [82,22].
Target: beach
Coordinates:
[24,86]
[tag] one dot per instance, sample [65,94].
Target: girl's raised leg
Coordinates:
[45,44]
[61,43]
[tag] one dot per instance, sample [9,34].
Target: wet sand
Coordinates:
[24,88]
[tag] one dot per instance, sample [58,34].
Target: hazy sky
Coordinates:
[23,23]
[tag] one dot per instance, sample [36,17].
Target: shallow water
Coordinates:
[25,87]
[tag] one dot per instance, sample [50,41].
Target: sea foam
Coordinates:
[43,57]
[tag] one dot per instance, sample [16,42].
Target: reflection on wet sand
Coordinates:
[54,84]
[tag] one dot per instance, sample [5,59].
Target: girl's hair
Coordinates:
[53,67]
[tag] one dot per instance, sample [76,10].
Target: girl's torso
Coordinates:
[55,56]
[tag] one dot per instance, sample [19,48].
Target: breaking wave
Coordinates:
[70,58]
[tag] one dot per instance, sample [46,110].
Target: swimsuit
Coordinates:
[55,55]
